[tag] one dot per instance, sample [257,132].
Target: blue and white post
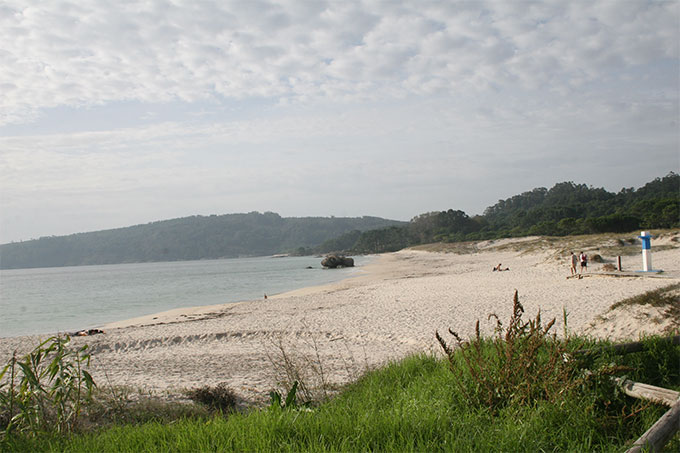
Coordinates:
[646,251]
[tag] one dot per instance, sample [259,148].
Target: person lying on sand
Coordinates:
[499,268]
[86,333]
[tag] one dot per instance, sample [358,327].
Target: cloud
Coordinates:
[88,53]
[108,107]
[370,147]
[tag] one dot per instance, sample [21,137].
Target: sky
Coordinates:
[122,113]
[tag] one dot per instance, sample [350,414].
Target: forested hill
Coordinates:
[569,208]
[565,209]
[190,238]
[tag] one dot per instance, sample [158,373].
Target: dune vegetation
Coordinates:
[525,388]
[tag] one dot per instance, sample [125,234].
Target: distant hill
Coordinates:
[189,238]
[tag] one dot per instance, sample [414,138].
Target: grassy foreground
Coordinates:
[425,403]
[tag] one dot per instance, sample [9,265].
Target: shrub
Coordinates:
[522,364]
[119,405]
[219,398]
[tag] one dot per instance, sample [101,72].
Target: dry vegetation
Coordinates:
[666,298]
[606,244]
[524,363]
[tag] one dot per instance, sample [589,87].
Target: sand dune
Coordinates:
[393,309]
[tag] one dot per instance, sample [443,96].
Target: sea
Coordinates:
[68,299]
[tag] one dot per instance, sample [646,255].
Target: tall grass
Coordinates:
[522,364]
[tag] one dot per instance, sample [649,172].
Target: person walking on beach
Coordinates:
[584,262]
[574,262]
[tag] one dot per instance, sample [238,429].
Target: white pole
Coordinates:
[646,251]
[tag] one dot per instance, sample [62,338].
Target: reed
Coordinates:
[45,389]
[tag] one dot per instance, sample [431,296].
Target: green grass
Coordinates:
[412,405]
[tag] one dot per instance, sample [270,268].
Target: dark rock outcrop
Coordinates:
[334,261]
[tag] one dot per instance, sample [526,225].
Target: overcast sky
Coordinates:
[120,113]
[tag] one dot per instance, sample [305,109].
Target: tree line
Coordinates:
[565,209]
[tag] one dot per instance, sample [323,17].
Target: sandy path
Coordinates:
[392,310]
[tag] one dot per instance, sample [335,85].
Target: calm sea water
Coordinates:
[65,299]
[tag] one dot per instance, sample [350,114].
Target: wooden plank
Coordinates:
[648,392]
[660,433]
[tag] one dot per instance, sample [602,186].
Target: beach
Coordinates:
[331,334]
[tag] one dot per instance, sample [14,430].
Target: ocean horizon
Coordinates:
[67,299]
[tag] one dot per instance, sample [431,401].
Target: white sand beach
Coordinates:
[391,310]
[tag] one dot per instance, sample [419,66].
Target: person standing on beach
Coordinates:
[584,262]
[574,262]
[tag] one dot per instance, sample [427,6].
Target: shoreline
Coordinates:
[391,309]
[71,309]
[182,314]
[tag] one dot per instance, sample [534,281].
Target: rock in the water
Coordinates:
[334,261]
